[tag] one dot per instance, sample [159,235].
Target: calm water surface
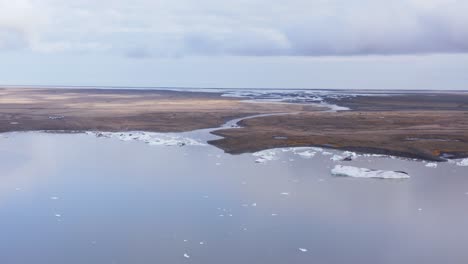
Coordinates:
[75,198]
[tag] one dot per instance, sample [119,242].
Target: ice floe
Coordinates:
[463,162]
[349,171]
[265,155]
[151,138]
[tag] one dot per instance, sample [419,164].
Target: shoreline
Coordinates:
[424,126]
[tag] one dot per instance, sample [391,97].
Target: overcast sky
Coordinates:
[370,44]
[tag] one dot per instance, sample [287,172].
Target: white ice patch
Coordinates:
[337,157]
[303,249]
[265,155]
[151,138]
[307,154]
[350,171]
[463,162]
[431,165]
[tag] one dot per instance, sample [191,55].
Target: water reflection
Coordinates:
[82,199]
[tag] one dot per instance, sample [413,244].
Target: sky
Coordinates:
[347,44]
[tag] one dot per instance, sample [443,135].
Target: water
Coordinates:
[76,198]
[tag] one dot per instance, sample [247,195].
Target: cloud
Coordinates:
[144,28]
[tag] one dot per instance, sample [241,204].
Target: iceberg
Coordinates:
[349,171]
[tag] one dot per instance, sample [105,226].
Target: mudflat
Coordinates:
[430,126]
[124,110]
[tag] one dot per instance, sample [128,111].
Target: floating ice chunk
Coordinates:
[349,171]
[58,215]
[337,157]
[202,243]
[54,198]
[303,249]
[218,164]
[463,162]
[186,255]
[274,214]
[151,138]
[284,193]
[307,154]
[254,204]
[265,155]
[419,209]
[431,165]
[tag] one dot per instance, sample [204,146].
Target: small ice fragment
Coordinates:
[54,198]
[17,189]
[349,171]
[202,243]
[463,162]
[265,155]
[58,215]
[431,165]
[254,204]
[217,164]
[221,215]
[420,209]
[303,249]
[285,193]
[336,157]
[230,214]
[274,214]
[186,255]
[185,240]
[307,154]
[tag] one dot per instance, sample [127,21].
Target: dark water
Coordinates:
[82,199]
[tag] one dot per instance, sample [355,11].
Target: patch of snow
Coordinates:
[431,165]
[151,138]
[349,171]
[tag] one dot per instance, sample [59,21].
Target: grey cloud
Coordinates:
[144,28]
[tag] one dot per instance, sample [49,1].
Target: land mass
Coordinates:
[429,125]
